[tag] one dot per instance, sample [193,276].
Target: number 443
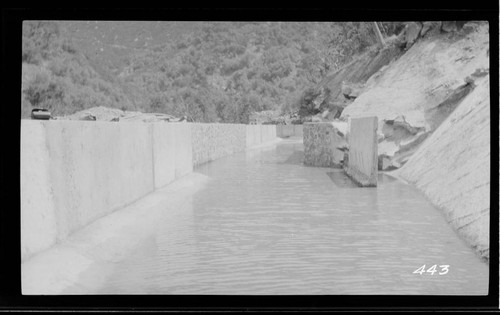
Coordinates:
[432,270]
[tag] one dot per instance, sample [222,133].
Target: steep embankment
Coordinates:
[433,110]
[327,98]
[414,94]
[452,167]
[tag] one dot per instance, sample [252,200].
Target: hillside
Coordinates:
[207,71]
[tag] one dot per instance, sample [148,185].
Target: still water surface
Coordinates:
[267,224]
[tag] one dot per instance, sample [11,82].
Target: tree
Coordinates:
[380,38]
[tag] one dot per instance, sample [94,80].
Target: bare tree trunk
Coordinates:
[380,38]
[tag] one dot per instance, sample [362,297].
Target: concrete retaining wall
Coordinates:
[37,203]
[213,141]
[268,133]
[363,151]
[74,172]
[172,152]
[252,135]
[320,145]
[285,131]
[81,176]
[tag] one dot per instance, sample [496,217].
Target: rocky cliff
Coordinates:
[452,167]
[414,94]
[434,115]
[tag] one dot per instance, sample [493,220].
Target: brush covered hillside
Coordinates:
[207,71]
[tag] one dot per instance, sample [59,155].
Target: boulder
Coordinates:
[428,26]
[412,32]
[449,26]
[351,90]
[480,72]
[384,162]
[470,26]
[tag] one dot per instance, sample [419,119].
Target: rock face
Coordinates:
[452,167]
[323,145]
[351,90]
[212,141]
[414,94]
[330,93]
[411,33]
[429,26]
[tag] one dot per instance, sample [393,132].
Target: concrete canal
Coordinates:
[267,224]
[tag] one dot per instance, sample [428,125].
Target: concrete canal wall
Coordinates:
[321,143]
[74,172]
[172,152]
[363,150]
[212,141]
[285,131]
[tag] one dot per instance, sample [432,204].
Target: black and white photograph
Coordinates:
[256,157]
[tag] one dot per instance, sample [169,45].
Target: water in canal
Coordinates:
[267,224]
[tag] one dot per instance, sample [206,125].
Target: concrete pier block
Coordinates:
[321,143]
[363,151]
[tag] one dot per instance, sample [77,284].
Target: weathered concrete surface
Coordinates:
[164,153]
[285,131]
[74,172]
[257,135]
[97,168]
[86,176]
[85,260]
[268,133]
[250,135]
[363,150]
[321,143]
[38,221]
[452,167]
[298,130]
[213,141]
[183,149]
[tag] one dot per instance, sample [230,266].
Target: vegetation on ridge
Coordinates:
[209,71]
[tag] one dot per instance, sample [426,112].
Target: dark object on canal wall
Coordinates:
[40,113]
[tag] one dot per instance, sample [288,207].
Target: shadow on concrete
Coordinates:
[341,180]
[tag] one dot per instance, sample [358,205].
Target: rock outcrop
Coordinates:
[414,94]
[452,167]
[341,87]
